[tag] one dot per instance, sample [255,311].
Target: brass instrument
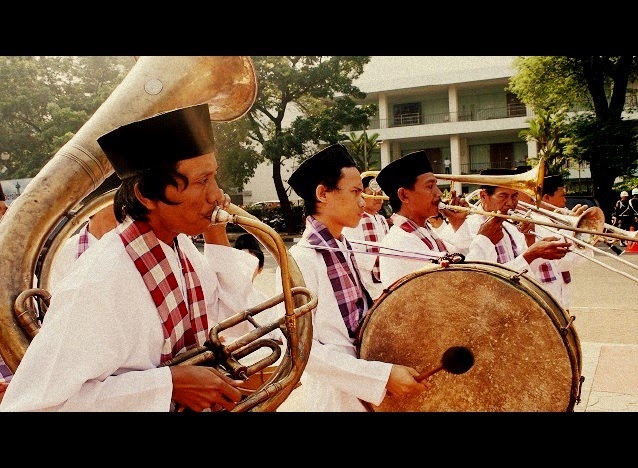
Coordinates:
[592,218]
[522,219]
[529,182]
[374,186]
[154,85]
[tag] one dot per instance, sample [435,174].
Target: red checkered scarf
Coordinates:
[422,232]
[185,325]
[83,240]
[370,234]
[349,296]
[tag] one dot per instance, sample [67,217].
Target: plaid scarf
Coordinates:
[425,233]
[567,276]
[545,269]
[185,324]
[83,240]
[349,296]
[370,234]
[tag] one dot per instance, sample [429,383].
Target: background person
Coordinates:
[633,204]
[249,243]
[144,293]
[93,230]
[372,228]
[621,216]
[334,378]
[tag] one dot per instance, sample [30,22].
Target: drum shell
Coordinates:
[527,354]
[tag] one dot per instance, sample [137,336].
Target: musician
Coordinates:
[553,197]
[144,293]
[97,225]
[334,378]
[372,228]
[414,196]
[493,239]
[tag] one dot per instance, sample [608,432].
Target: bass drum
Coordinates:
[526,353]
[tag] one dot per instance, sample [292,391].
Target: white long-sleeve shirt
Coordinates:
[100,344]
[334,378]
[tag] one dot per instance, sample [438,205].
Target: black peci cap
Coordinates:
[551,184]
[312,171]
[402,172]
[164,138]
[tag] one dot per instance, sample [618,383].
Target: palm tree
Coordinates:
[546,130]
[362,148]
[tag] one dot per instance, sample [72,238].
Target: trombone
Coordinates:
[529,182]
[592,215]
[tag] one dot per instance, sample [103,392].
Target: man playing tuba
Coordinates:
[143,293]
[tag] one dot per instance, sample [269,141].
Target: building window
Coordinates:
[407,114]
[515,108]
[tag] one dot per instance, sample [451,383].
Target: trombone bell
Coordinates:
[529,182]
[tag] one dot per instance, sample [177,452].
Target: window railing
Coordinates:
[405,120]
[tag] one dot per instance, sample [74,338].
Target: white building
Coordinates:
[454,108]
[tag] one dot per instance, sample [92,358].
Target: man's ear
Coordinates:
[320,192]
[147,202]
[402,195]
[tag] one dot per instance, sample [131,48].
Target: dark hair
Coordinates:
[330,180]
[249,242]
[407,181]
[2,196]
[490,189]
[366,181]
[152,184]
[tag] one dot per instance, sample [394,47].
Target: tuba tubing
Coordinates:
[153,85]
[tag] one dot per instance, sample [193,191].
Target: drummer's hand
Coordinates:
[402,381]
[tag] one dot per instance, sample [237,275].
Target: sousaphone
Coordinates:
[154,85]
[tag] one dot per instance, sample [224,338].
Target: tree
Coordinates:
[547,131]
[45,100]
[598,135]
[362,149]
[316,95]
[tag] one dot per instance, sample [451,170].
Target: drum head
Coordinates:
[526,353]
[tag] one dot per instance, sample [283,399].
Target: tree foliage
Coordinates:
[304,102]
[595,89]
[362,149]
[45,100]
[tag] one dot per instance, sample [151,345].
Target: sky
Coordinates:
[388,67]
